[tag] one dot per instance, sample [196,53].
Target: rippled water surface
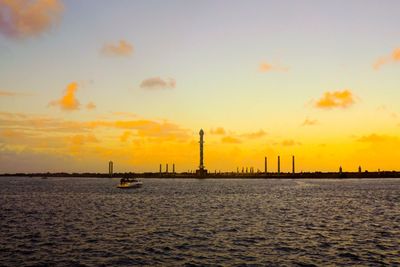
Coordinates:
[87,221]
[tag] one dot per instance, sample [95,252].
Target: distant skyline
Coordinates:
[86,82]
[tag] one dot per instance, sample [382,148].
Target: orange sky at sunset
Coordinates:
[85,82]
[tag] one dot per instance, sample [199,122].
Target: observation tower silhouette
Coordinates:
[201,171]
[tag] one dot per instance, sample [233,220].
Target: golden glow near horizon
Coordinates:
[78,90]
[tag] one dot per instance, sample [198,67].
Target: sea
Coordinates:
[199,222]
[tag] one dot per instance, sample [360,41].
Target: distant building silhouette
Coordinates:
[340,169]
[110,168]
[359,169]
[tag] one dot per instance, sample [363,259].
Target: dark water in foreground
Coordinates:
[87,221]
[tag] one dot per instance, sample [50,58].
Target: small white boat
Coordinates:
[129,183]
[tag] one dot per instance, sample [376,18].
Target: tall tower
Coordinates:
[201,133]
[110,168]
[201,171]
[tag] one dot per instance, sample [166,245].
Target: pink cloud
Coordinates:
[23,18]
[392,58]
[121,49]
[158,83]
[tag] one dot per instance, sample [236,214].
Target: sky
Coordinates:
[86,82]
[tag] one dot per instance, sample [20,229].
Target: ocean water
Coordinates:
[89,222]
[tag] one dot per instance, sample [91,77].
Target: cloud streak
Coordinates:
[23,18]
[121,49]
[9,133]
[81,139]
[6,93]
[158,83]
[230,140]
[309,122]
[377,138]
[125,136]
[255,135]
[91,105]
[268,67]
[288,143]
[124,114]
[392,58]
[140,127]
[218,131]
[336,99]
[9,93]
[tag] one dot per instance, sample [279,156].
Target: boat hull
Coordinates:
[129,185]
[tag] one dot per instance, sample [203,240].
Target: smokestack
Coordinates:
[293,164]
[160,168]
[166,168]
[110,168]
[265,165]
[279,164]
[173,168]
